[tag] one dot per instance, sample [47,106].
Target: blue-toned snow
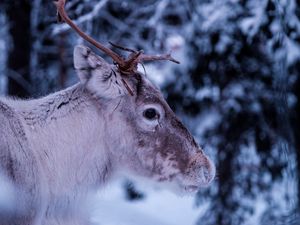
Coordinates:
[159,207]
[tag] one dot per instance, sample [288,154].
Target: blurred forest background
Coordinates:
[237,87]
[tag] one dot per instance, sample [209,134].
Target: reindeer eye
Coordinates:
[150,114]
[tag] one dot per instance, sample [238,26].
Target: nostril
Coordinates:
[208,171]
[204,168]
[207,174]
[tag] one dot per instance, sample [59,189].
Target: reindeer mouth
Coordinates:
[191,188]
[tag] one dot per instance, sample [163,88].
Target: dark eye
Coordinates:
[150,114]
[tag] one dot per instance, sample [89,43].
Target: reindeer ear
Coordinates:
[99,77]
[85,61]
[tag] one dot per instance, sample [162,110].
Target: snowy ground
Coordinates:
[159,207]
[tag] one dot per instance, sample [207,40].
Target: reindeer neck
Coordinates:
[66,131]
[44,111]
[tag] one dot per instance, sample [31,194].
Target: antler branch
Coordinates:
[60,5]
[125,66]
[158,57]
[122,48]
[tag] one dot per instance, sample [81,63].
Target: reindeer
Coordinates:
[56,149]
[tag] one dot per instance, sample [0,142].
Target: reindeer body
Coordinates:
[39,150]
[58,148]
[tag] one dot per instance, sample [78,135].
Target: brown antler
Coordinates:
[60,5]
[125,66]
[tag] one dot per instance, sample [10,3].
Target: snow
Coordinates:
[213,14]
[159,207]
[260,207]
[249,152]
[293,51]
[158,13]
[250,26]
[208,120]
[162,207]
[208,92]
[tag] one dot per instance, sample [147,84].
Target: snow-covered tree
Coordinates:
[241,84]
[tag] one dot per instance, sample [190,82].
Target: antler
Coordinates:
[60,5]
[126,66]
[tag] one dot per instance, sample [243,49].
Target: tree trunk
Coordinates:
[18,14]
[62,60]
[296,124]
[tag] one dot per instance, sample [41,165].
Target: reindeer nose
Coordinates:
[208,170]
[203,167]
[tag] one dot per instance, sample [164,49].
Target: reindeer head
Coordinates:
[143,134]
